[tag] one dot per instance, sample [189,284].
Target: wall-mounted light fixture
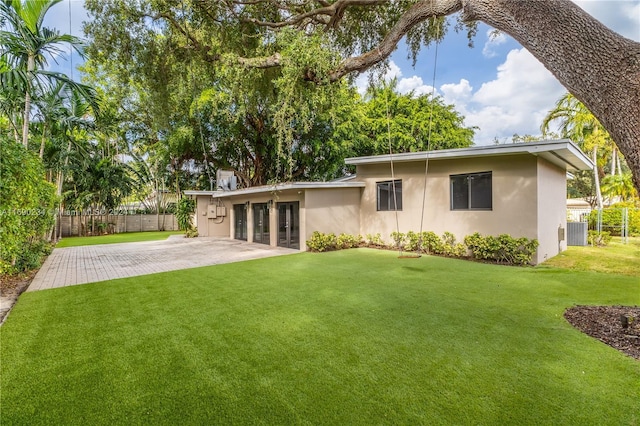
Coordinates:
[269,204]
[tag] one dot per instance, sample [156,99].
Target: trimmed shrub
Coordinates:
[431,243]
[502,249]
[346,241]
[191,233]
[599,239]
[450,247]
[375,240]
[398,239]
[322,242]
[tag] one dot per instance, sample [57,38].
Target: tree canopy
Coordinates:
[204,111]
[257,34]
[408,123]
[26,45]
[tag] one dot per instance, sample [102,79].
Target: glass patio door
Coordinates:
[289,225]
[261,224]
[240,213]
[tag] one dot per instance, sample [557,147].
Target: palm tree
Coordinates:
[25,47]
[580,125]
[619,185]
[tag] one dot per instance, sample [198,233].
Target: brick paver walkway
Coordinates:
[81,265]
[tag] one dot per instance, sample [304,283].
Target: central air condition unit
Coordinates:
[226,180]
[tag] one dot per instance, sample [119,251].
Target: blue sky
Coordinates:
[497,85]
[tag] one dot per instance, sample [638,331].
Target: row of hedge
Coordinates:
[27,204]
[503,249]
[612,219]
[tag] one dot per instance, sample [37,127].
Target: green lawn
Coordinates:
[615,258]
[126,237]
[340,338]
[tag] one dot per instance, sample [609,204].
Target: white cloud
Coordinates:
[494,39]
[516,101]
[393,71]
[457,93]
[414,84]
[405,85]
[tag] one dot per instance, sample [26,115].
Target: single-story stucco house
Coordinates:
[516,189]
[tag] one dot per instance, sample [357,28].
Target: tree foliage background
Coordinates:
[194,94]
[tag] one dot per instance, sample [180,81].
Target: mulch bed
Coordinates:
[10,288]
[617,326]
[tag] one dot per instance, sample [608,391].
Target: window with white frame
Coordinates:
[389,195]
[471,191]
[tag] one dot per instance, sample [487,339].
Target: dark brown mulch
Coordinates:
[607,324]
[10,288]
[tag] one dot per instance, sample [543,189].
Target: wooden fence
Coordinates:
[75,225]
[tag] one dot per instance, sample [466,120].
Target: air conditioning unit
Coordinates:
[226,180]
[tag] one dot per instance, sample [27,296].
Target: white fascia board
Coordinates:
[562,152]
[196,193]
[278,188]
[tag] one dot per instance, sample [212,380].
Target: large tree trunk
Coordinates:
[598,66]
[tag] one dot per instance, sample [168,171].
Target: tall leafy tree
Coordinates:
[202,118]
[619,186]
[568,41]
[409,123]
[25,48]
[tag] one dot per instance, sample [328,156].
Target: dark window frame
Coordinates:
[386,202]
[477,197]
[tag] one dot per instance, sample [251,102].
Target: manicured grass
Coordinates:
[615,258]
[126,237]
[348,337]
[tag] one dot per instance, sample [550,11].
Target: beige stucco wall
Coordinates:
[280,197]
[514,198]
[552,212]
[326,210]
[225,226]
[334,210]
[218,227]
[528,201]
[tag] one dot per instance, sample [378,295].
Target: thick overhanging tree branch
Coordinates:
[600,67]
[274,60]
[329,14]
[416,14]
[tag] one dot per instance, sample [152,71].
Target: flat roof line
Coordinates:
[564,149]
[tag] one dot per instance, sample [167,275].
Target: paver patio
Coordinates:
[86,264]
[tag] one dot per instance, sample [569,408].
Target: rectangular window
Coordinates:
[471,191]
[389,193]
